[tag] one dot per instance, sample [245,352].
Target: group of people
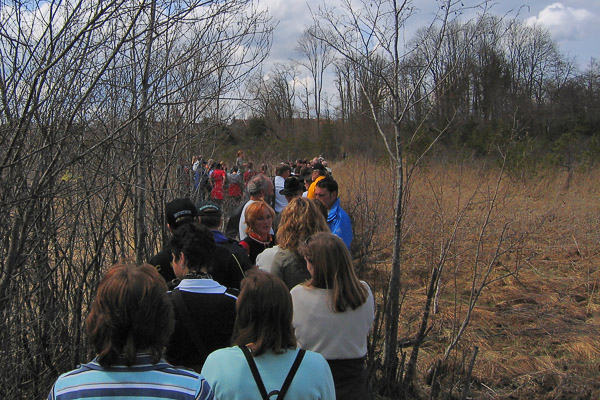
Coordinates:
[276,310]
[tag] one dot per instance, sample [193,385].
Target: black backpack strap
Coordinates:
[188,322]
[291,374]
[259,382]
[255,373]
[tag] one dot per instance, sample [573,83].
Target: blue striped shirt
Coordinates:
[141,380]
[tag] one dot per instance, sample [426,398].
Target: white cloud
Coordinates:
[294,17]
[563,22]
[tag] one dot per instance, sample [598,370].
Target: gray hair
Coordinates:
[258,184]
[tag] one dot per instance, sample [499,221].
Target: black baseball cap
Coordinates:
[207,208]
[180,211]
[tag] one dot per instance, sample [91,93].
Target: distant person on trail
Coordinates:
[204,309]
[218,182]
[177,213]
[250,173]
[239,161]
[259,188]
[265,359]
[318,172]
[339,222]
[130,322]
[282,172]
[334,312]
[230,261]
[236,184]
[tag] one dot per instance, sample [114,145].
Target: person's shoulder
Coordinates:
[281,255]
[298,290]
[232,292]
[314,359]
[202,386]
[224,353]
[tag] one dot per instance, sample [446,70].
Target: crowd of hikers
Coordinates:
[254,302]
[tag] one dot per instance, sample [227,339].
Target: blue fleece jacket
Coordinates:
[339,223]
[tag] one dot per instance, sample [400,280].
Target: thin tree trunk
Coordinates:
[390,357]
[142,153]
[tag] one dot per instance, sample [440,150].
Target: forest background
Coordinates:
[467,160]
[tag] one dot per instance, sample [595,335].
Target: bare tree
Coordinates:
[274,96]
[365,33]
[317,57]
[97,102]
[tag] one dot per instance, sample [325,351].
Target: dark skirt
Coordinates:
[350,379]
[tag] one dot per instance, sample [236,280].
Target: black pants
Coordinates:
[350,379]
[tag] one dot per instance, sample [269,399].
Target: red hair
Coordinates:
[254,211]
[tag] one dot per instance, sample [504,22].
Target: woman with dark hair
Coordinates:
[300,219]
[129,324]
[204,309]
[334,312]
[265,360]
[259,222]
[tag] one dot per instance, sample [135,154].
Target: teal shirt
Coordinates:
[228,374]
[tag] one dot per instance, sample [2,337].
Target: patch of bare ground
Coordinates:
[537,329]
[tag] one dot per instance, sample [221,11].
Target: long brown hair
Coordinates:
[264,314]
[299,220]
[131,312]
[333,269]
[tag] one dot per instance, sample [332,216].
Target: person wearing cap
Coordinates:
[230,260]
[293,187]
[178,212]
[282,172]
[318,172]
[204,309]
[337,219]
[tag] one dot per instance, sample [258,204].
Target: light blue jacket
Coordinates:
[339,223]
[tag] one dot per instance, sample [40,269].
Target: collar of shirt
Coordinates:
[201,286]
[143,361]
[334,210]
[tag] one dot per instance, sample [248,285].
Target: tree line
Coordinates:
[488,82]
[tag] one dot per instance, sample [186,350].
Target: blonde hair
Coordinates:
[300,219]
[254,211]
[333,269]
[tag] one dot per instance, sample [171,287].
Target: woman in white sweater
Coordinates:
[333,313]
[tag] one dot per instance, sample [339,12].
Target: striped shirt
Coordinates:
[141,380]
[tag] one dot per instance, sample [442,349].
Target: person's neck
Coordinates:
[197,274]
[262,238]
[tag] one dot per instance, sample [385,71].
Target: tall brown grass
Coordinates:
[537,326]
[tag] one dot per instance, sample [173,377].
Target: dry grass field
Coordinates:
[535,244]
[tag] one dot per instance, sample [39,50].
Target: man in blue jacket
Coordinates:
[339,223]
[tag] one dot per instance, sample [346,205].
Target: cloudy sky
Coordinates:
[574,24]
